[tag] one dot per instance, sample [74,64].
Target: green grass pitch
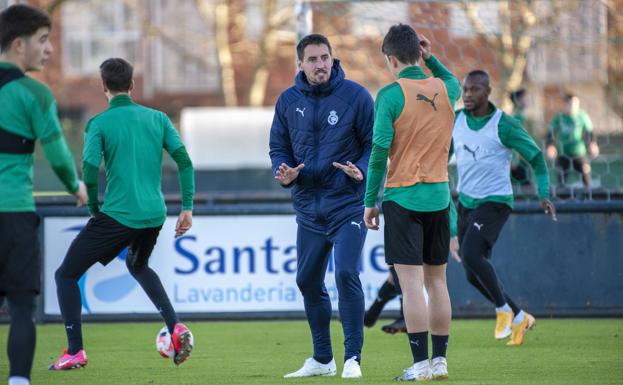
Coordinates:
[567,351]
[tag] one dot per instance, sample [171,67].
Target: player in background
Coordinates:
[413,126]
[28,114]
[520,168]
[387,292]
[320,143]
[570,133]
[483,140]
[131,139]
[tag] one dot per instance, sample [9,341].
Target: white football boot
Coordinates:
[312,368]
[351,368]
[439,366]
[420,371]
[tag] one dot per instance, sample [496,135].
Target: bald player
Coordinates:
[483,139]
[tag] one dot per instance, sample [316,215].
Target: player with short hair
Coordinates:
[483,140]
[520,169]
[413,126]
[570,133]
[130,138]
[320,144]
[28,114]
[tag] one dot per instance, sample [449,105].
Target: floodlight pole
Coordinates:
[304,18]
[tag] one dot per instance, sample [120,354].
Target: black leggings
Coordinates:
[22,333]
[101,241]
[478,230]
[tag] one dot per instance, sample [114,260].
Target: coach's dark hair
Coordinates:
[402,42]
[313,39]
[516,95]
[480,74]
[20,21]
[116,74]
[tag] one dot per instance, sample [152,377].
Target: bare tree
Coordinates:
[614,85]
[519,20]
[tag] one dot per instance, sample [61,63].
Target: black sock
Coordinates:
[419,346]
[74,337]
[149,281]
[323,359]
[387,292]
[440,345]
[22,333]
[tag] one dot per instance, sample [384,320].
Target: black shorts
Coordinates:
[486,221]
[20,261]
[413,238]
[579,164]
[103,239]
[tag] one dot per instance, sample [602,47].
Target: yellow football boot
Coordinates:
[503,321]
[519,331]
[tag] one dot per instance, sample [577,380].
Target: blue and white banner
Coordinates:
[223,264]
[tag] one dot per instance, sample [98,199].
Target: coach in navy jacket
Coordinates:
[320,143]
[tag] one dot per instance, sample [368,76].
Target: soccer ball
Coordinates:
[164,343]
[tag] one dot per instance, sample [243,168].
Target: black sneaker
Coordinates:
[372,314]
[398,326]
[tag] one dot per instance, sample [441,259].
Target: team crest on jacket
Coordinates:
[333,118]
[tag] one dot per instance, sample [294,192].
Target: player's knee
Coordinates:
[471,277]
[343,276]
[133,266]
[22,306]
[472,253]
[308,285]
[59,275]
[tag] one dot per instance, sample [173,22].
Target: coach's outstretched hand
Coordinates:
[549,209]
[286,174]
[371,218]
[184,223]
[81,194]
[350,169]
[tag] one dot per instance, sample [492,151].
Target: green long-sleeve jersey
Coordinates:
[130,138]
[29,111]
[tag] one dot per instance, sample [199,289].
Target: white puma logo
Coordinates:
[356,224]
[478,226]
[70,327]
[301,111]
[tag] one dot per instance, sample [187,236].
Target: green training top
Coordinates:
[513,136]
[130,138]
[569,131]
[390,101]
[528,126]
[29,110]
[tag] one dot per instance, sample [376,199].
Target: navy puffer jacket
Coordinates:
[319,125]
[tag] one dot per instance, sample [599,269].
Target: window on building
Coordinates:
[375,18]
[182,55]
[94,30]
[487,13]
[577,42]
[255,16]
